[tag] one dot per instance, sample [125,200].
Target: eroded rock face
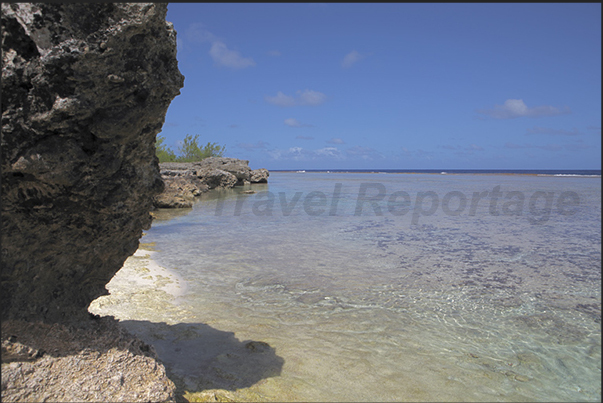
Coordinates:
[85,89]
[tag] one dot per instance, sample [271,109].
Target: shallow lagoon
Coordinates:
[363,292]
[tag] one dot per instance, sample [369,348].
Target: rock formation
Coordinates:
[186,180]
[100,363]
[85,89]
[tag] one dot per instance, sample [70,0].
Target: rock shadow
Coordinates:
[199,357]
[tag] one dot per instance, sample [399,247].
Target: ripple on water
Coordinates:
[374,308]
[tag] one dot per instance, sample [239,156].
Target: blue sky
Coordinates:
[391,85]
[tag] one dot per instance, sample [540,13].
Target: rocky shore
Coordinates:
[186,180]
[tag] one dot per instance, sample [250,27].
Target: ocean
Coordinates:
[381,286]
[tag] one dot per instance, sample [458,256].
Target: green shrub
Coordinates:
[189,151]
[164,153]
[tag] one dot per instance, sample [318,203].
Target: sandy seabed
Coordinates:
[136,292]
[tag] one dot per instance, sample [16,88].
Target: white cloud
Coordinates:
[304,137]
[515,108]
[179,45]
[302,154]
[291,122]
[229,58]
[335,141]
[274,53]
[331,152]
[255,146]
[554,132]
[350,59]
[280,100]
[219,52]
[196,33]
[306,97]
[326,154]
[296,153]
[309,97]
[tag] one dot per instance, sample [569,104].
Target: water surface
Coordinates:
[368,293]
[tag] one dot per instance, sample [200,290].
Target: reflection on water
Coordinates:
[480,303]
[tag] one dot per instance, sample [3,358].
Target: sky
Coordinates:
[391,85]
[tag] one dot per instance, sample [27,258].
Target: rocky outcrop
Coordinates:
[99,363]
[186,180]
[85,89]
[180,191]
[259,176]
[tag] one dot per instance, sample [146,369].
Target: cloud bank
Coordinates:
[255,146]
[552,132]
[306,97]
[548,147]
[229,58]
[327,154]
[515,108]
[219,52]
[350,59]
[291,122]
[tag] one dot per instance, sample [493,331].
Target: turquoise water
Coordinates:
[447,292]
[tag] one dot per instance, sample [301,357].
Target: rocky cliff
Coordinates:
[85,89]
[186,180]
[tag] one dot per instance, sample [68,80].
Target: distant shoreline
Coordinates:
[582,173]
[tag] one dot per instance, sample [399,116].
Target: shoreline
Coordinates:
[175,286]
[138,286]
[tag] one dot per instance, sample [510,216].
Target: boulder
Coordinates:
[259,175]
[85,89]
[180,191]
[217,178]
[239,168]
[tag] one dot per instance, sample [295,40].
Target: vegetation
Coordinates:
[164,153]
[189,151]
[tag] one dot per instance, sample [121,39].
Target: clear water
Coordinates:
[491,303]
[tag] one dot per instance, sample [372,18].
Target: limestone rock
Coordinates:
[223,163]
[239,168]
[259,176]
[98,362]
[217,178]
[180,191]
[85,89]
[186,180]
